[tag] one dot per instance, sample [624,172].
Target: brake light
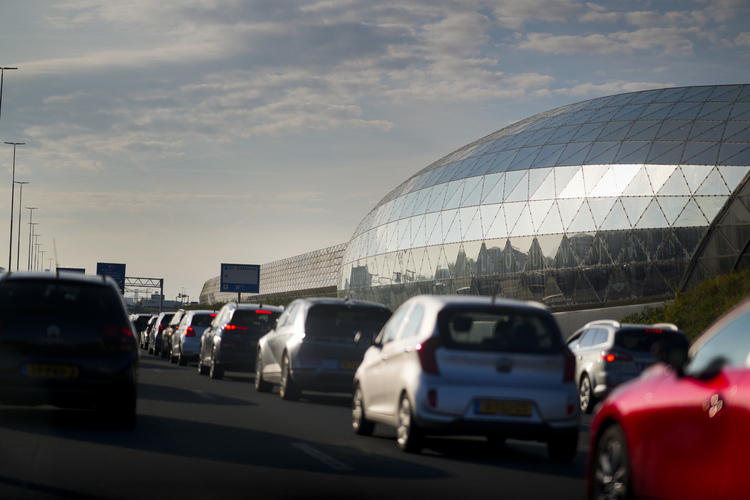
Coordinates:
[654,330]
[261,311]
[190,332]
[570,365]
[426,353]
[121,332]
[612,356]
[234,327]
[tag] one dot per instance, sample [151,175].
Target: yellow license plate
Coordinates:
[497,407]
[349,365]
[50,371]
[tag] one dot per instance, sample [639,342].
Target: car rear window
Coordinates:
[499,330]
[641,340]
[343,322]
[202,319]
[50,298]
[256,321]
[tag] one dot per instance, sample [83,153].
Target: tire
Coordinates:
[586,395]
[408,434]
[215,371]
[610,476]
[163,351]
[202,369]
[151,350]
[260,384]
[172,357]
[564,448]
[360,424]
[287,389]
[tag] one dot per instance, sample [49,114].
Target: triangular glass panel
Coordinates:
[493,190]
[707,131]
[584,292]
[482,165]
[548,156]
[737,236]
[700,153]
[605,187]
[600,208]
[443,268]
[602,153]
[418,233]
[614,241]
[645,97]
[654,285]
[472,194]
[448,172]
[520,191]
[744,93]
[583,221]
[525,158]
[451,227]
[592,174]
[615,131]
[675,185]
[422,202]
[538,211]
[540,137]
[502,161]
[546,187]
[726,93]
[575,154]
[710,205]
[563,176]
[652,217]
[689,237]
[553,295]
[549,245]
[656,111]
[651,239]
[734,154]
[404,237]
[673,130]
[598,254]
[407,209]
[566,282]
[691,216]
[618,288]
[697,94]
[535,260]
[575,188]
[616,219]
[718,246]
[632,152]
[671,95]
[733,175]
[624,174]
[715,111]
[634,207]
[508,264]
[736,131]
[659,174]
[685,111]
[552,223]
[643,131]
[523,226]
[630,112]
[740,111]
[437,199]
[564,134]
[565,256]
[453,194]
[587,132]
[434,228]
[494,225]
[695,175]
[511,181]
[521,247]
[603,115]
[633,251]
[393,237]
[471,224]
[672,206]
[665,152]
[713,185]
[640,185]
[569,209]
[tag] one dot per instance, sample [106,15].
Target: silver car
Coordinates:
[470,366]
[186,341]
[317,344]
[609,353]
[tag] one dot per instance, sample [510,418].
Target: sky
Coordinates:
[177,135]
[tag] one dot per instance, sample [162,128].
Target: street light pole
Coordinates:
[31,232]
[36,251]
[12,201]
[2,70]
[20,212]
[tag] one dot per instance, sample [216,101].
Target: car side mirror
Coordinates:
[673,351]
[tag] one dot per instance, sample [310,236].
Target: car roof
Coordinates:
[59,275]
[442,301]
[337,301]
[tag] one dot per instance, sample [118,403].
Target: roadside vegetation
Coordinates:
[694,311]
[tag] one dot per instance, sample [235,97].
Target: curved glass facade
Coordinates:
[596,202]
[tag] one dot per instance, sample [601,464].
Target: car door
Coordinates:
[276,341]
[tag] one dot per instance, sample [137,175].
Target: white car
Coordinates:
[186,341]
[464,365]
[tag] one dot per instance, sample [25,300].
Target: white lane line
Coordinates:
[319,455]
[203,394]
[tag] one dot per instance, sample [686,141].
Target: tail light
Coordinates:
[262,311]
[612,356]
[426,354]
[121,333]
[231,328]
[569,374]
[190,332]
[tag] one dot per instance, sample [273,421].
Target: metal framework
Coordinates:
[147,283]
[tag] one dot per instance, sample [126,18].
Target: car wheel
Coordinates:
[585,394]
[610,477]
[202,369]
[563,448]
[215,371]
[260,384]
[287,390]
[410,437]
[360,424]
[172,357]
[150,350]
[163,351]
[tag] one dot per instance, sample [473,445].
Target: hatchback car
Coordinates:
[140,322]
[470,366]
[186,341]
[317,345]
[155,334]
[168,331]
[679,431]
[230,343]
[66,340]
[147,331]
[609,353]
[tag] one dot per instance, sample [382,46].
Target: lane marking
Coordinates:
[319,455]
[203,394]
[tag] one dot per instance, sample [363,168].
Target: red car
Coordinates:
[681,430]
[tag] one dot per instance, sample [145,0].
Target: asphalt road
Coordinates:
[211,439]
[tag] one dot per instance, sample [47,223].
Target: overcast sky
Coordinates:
[172,136]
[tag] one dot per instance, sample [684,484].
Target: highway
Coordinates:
[215,439]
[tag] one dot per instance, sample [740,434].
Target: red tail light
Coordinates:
[190,332]
[231,327]
[612,356]
[570,365]
[426,353]
[261,311]
[121,332]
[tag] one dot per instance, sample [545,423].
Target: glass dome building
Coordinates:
[602,201]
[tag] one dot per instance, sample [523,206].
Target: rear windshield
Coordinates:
[202,319]
[641,340]
[256,321]
[499,330]
[42,298]
[343,322]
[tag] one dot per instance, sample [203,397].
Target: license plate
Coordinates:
[50,371]
[498,407]
[349,365]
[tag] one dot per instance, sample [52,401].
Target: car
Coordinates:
[609,353]
[230,343]
[155,335]
[168,331]
[466,365]
[66,340]
[140,321]
[680,430]
[317,345]
[147,331]
[186,341]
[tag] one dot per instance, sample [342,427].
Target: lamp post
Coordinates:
[42,259]
[20,212]
[35,258]
[31,232]
[12,200]
[2,70]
